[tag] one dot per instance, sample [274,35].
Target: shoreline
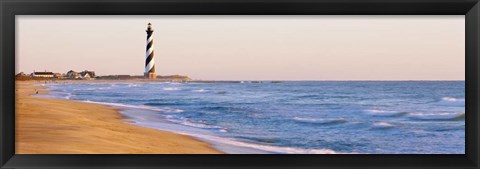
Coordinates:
[55,126]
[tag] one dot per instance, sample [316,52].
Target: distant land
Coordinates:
[90,75]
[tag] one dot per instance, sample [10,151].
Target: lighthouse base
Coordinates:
[150,75]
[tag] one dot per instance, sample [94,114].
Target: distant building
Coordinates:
[43,74]
[91,74]
[58,75]
[73,75]
[85,76]
[21,74]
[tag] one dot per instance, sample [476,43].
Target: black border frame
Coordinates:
[10,8]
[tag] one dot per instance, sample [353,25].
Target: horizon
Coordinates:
[232,48]
[286,80]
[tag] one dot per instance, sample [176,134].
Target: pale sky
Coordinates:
[248,47]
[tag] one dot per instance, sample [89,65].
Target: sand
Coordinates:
[53,126]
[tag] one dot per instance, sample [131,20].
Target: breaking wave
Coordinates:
[171,88]
[274,149]
[200,90]
[194,124]
[379,111]
[386,113]
[69,96]
[438,116]
[451,101]
[93,89]
[165,110]
[382,124]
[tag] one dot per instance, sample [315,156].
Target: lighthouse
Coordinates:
[149,60]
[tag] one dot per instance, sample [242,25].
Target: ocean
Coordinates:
[294,117]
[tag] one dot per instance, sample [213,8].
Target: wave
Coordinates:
[451,101]
[274,149]
[382,124]
[162,104]
[459,117]
[186,122]
[200,90]
[133,85]
[165,110]
[387,113]
[197,125]
[261,139]
[170,88]
[219,108]
[308,96]
[379,111]
[439,117]
[418,115]
[321,120]
[429,114]
[173,83]
[93,88]
[60,94]
[69,96]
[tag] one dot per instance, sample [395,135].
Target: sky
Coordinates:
[279,47]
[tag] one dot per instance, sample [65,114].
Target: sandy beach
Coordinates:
[53,126]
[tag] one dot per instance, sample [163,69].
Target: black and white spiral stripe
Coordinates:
[149,61]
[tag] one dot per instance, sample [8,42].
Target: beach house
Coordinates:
[73,75]
[86,75]
[43,74]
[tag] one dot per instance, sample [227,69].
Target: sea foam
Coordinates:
[451,101]
[165,110]
[200,90]
[382,124]
[268,148]
[171,88]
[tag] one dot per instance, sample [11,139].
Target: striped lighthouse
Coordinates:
[149,60]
